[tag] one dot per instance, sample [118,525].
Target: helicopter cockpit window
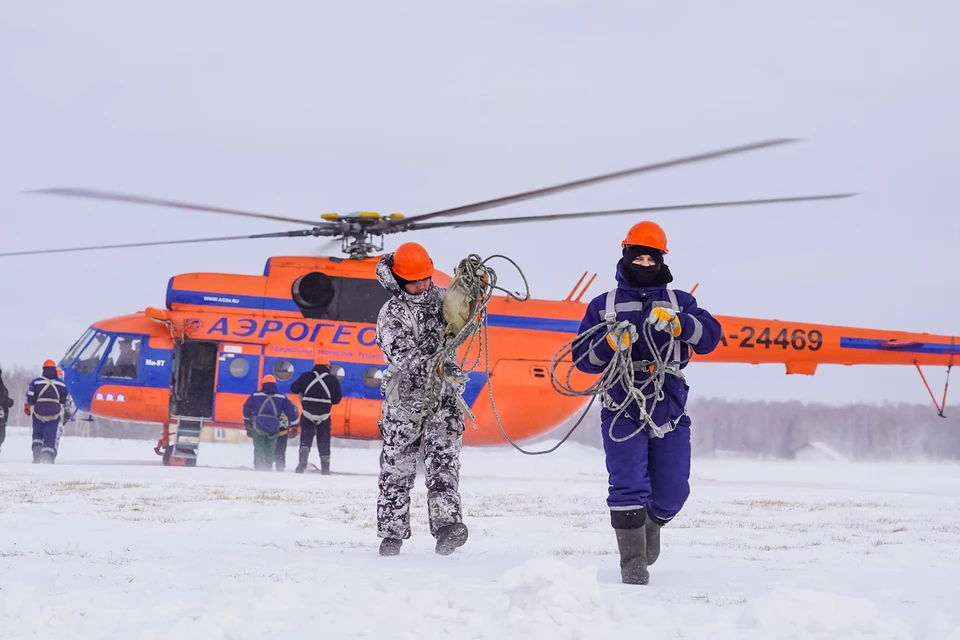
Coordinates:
[123,360]
[91,354]
[79,344]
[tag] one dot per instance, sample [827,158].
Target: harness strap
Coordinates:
[317,379]
[414,328]
[676,307]
[47,385]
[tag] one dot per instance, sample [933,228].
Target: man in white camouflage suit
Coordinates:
[409,332]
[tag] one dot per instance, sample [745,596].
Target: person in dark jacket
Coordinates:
[319,390]
[268,414]
[46,400]
[648,461]
[6,403]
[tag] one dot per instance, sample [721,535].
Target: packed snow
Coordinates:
[109,544]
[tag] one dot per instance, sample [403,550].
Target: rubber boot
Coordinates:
[304,457]
[36,453]
[325,465]
[450,537]
[390,547]
[46,457]
[652,528]
[633,555]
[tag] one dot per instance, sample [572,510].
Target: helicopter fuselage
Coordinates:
[207,351]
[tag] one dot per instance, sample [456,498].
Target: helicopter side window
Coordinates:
[92,353]
[124,359]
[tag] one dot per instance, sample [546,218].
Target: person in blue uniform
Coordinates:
[46,399]
[648,473]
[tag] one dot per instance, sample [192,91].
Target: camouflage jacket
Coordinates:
[409,332]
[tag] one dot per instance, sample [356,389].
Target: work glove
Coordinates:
[622,336]
[664,319]
[26,410]
[293,432]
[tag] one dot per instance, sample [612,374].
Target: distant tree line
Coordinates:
[720,427]
[894,431]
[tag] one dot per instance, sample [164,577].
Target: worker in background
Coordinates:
[319,390]
[409,332]
[46,399]
[267,415]
[649,473]
[6,403]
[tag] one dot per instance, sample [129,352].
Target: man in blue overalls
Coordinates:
[46,398]
[647,451]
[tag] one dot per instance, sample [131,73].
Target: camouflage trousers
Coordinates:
[441,440]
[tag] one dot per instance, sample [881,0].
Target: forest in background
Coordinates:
[894,431]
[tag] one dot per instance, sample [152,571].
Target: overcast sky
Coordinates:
[300,108]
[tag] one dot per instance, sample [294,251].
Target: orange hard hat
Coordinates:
[412,262]
[321,360]
[268,378]
[49,363]
[647,234]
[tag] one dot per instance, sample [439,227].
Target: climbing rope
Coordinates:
[475,281]
[622,370]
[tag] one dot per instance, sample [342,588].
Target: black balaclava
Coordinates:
[640,276]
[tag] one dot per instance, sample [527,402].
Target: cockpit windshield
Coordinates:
[79,344]
[91,354]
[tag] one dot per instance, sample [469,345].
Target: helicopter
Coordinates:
[191,364]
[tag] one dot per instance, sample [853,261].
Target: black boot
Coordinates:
[390,546]
[46,457]
[450,537]
[36,453]
[325,465]
[304,457]
[652,528]
[633,556]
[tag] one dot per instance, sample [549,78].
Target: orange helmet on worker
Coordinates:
[412,268]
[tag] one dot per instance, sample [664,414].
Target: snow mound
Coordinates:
[551,597]
[793,613]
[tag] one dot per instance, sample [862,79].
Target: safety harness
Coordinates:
[281,418]
[622,369]
[49,384]
[317,379]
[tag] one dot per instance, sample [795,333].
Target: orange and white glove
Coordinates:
[622,336]
[664,319]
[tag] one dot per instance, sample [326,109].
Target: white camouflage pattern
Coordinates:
[409,418]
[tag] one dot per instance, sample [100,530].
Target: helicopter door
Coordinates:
[238,375]
[194,371]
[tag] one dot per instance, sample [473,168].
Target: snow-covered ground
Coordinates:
[109,544]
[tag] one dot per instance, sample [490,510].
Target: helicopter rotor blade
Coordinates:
[280,234]
[121,197]
[537,193]
[588,214]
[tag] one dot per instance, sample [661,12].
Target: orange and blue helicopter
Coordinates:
[192,363]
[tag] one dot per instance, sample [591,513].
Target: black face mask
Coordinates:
[637,275]
[640,276]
